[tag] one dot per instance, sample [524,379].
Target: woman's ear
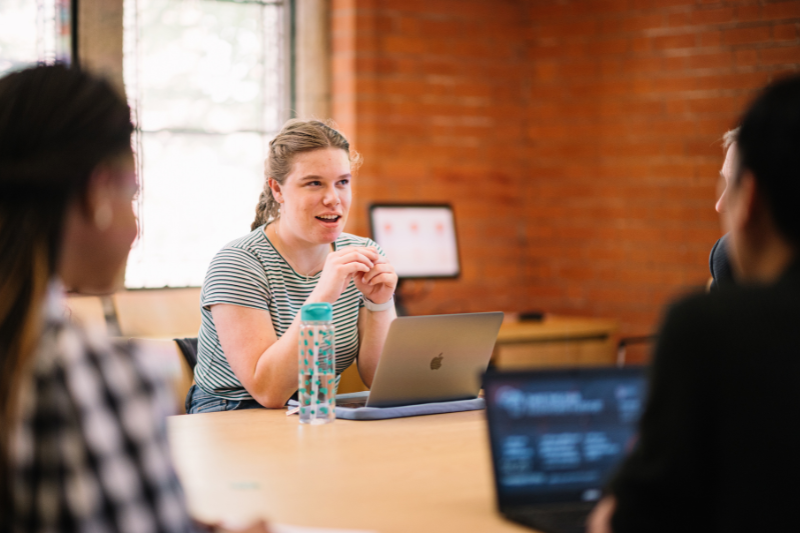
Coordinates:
[98,201]
[99,230]
[275,187]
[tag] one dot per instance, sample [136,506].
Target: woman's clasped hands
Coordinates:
[373,275]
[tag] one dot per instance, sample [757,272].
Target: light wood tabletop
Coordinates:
[410,475]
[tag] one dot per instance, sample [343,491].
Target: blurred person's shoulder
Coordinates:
[93,369]
[96,369]
[752,304]
[737,322]
[78,375]
[88,405]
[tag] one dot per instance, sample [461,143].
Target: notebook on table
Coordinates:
[429,364]
[556,438]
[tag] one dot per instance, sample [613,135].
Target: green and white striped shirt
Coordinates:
[250,272]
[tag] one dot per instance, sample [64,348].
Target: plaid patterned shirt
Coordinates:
[89,451]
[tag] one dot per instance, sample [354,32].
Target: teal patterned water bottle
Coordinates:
[316,390]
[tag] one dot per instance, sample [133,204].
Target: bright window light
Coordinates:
[34,32]
[207,82]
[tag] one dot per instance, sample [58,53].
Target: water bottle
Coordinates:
[316,390]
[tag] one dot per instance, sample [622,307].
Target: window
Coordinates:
[208,84]
[34,32]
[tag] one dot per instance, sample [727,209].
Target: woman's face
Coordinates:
[315,198]
[98,235]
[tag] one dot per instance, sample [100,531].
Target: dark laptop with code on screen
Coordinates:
[556,437]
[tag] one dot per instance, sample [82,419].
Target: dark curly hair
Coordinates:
[56,126]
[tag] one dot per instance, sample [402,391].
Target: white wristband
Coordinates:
[372,306]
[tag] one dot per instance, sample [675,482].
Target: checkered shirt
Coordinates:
[89,452]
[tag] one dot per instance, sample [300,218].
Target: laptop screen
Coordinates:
[557,436]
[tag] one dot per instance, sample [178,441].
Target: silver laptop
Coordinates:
[431,359]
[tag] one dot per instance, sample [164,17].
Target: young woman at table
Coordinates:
[83,443]
[297,253]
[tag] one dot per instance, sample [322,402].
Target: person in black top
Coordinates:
[719,264]
[719,437]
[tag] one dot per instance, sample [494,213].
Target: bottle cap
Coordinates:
[321,312]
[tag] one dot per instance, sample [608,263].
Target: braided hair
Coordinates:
[296,137]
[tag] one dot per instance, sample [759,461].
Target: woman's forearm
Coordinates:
[373,326]
[275,372]
[265,365]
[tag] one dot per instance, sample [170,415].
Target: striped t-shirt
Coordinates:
[250,272]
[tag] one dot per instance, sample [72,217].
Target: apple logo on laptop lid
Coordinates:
[436,362]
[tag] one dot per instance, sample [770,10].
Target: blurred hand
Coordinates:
[342,266]
[256,527]
[600,519]
[379,283]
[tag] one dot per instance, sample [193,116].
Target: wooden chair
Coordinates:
[556,342]
[351,381]
[163,313]
[635,350]
[154,318]
[167,358]
[143,315]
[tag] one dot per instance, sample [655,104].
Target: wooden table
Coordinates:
[556,341]
[409,475]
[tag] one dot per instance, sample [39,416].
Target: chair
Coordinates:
[168,359]
[351,381]
[643,342]
[188,347]
[166,313]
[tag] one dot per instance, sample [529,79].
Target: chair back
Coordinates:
[188,347]
[166,357]
[163,313]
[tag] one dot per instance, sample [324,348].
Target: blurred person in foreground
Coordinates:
[719,437]
[83,441]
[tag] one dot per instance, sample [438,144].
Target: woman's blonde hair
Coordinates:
[296,137]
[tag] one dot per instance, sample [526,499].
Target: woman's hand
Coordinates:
[342,266]
[379,283]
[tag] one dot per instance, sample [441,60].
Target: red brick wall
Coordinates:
[577,140]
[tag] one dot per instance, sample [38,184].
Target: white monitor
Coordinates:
[419,239]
